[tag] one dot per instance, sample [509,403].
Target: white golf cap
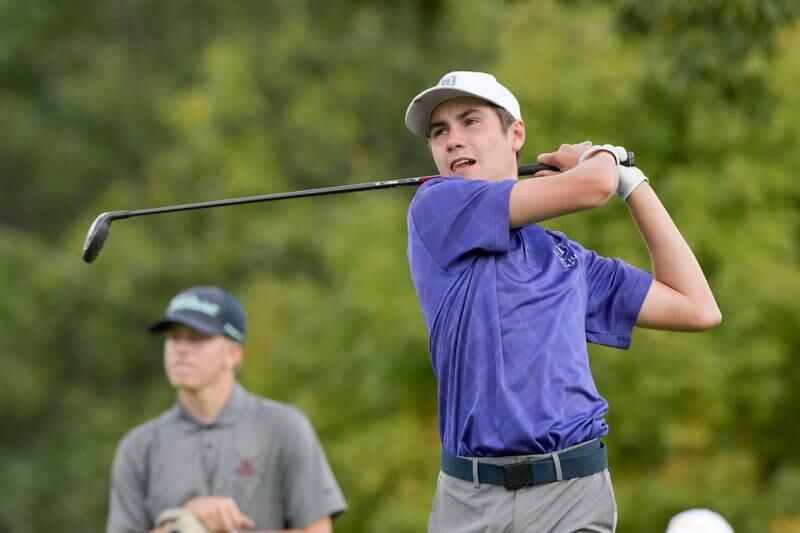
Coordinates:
[455,84]
[698,521]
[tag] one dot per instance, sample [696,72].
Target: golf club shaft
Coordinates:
[98,232]
[524,170]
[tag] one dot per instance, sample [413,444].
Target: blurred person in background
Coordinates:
[220,459]
[698,521]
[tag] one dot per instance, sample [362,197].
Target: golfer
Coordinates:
[221,459]
[510,306]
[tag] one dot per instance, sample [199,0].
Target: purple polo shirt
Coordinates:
[509,313]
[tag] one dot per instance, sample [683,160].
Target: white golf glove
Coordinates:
[629,179]
[620,154]
[180,521]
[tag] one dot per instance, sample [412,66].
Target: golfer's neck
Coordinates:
[205,404]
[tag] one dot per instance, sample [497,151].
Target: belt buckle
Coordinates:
[517,475]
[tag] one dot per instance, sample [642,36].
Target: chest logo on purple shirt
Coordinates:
[565,255]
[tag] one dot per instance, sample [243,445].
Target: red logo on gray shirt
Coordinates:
[245,468]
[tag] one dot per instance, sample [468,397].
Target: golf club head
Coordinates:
[98,233]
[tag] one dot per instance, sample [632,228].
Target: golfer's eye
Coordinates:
[436,132]
[470,121]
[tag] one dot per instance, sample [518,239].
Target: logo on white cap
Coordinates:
[448,81]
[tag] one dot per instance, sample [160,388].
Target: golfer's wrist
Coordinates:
[631,195]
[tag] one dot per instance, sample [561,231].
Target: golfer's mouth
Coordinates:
[461,163]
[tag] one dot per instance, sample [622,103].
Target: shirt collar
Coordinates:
[226,417]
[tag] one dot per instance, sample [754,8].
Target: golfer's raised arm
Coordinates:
[680,298]
[587,185]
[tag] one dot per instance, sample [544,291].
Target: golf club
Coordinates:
[98,232]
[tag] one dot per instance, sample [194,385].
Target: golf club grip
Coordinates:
[531,169]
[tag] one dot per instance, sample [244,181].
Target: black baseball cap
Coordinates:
[207,309]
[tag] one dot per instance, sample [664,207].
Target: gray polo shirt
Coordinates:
[263,454]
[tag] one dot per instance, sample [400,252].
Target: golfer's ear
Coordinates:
[518,135]
[235,353]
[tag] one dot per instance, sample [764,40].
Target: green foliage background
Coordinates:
[137,103]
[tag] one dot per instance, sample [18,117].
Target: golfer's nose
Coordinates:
[454,141]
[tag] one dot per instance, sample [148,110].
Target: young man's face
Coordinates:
[467,140]
[194,360]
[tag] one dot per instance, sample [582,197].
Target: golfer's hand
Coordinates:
[219,514]
[565,158]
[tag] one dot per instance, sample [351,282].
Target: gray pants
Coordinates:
[583,504]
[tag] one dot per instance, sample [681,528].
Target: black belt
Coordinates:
[579,461]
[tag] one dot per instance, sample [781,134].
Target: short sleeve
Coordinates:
[310,489]
[127,510]
[455,218]
[615,292]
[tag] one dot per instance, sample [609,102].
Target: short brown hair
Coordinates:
[506,120]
